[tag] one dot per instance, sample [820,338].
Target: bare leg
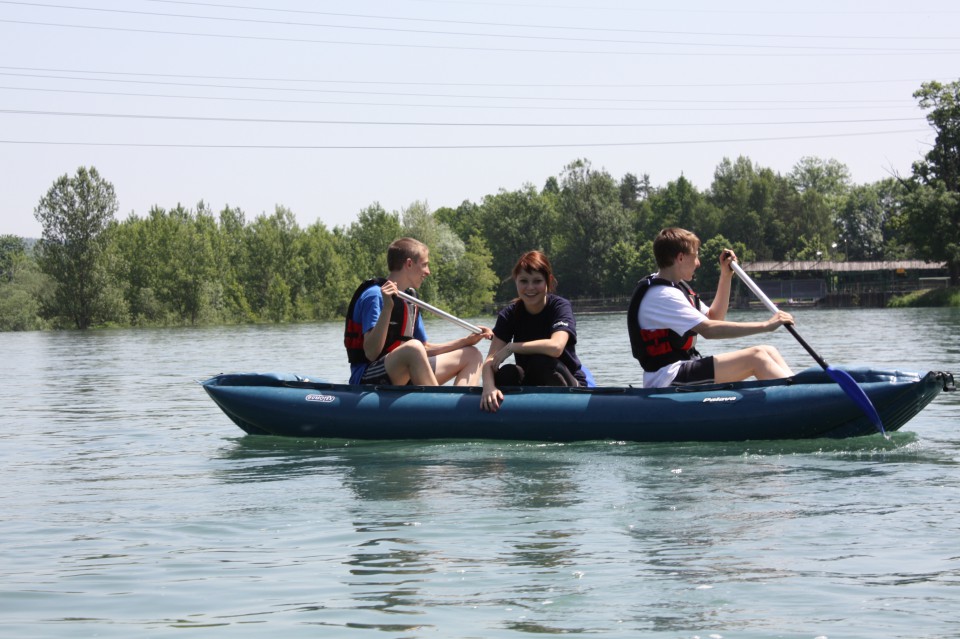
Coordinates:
[462,366]
[409,363]
[762,362]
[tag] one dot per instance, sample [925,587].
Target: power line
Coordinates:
[449,106]
[194,118]
[724,11]
[441,95]
[482,84]
[409,147]
[558,27]
[845,52]
[465,22]
[406,147]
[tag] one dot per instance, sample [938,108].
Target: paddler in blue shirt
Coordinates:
[384,335]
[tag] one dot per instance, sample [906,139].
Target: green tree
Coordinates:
[814,220]
[327,277]
[169,265]
[681,204]
[708,275]
[461,279]
[368,239]
[188,262]
[469,283]
[863,220]
[823,186]
[21,284]
[829,178]
[137,264]
[551,186]
[932,203]
[591,220]
[513,223]
[231,259]
[628,263]
[466,220]
[13,253]
[277,305]
[201,289]
[274,278]
[757,207]
[446,249]
[738,192]
[74,214]
[634,190]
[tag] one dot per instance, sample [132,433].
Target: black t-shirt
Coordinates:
[515,324]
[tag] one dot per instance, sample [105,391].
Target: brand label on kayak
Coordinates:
[323,399]
[711,400]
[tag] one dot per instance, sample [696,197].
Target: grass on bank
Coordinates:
[949,296]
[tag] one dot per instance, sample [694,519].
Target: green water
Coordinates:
[133,507]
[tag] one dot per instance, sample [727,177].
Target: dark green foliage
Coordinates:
[932,203]
[13,252]
[75,213]
[591,221]
[514,222]
[21,287]
[708,275]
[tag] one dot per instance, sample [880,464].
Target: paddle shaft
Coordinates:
[773,309]
[445,315]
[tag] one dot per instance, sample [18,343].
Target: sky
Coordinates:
[326,107]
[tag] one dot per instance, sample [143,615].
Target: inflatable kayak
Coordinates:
[808,405]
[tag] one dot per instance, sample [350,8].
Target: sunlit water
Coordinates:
[131,506]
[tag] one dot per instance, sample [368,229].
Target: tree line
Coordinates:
[189,266]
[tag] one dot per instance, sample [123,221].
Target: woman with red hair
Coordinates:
[539,330]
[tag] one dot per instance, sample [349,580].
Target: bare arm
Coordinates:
[463,342]
[491,397]
[715,327]
[495,357]
[500,350]
[720,329]
[552,346]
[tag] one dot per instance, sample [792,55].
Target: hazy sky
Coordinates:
[327,106]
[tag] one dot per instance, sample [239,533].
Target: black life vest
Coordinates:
[659,347]
[403,321]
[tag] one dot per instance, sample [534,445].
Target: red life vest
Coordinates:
[403,321]
[657,348]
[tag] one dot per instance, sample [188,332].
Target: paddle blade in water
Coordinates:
[853,390]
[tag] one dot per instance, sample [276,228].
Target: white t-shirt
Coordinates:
[667,307]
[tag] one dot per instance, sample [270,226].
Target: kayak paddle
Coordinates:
[846,382]
[445,315]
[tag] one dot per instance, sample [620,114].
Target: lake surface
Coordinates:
[133,507]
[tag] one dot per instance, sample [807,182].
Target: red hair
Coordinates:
[536,262]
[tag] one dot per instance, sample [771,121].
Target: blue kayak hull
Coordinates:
[808,405]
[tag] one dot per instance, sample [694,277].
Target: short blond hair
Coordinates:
[403,249]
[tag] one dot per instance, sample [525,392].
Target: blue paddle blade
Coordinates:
[853,390]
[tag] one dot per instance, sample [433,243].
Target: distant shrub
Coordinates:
[949,296]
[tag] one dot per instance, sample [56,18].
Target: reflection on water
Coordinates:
[538,529]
